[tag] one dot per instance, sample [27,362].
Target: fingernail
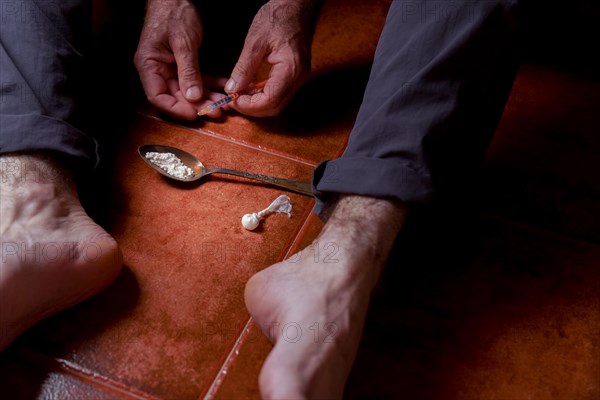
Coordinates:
[230,86]
[193,93]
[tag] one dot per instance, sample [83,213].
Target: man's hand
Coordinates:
[167,59]
[281,35]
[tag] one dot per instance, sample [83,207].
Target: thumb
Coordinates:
[188,71]
[246,67]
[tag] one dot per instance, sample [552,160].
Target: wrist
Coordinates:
[167,2]
[165,15]
[304,10]
[166,6]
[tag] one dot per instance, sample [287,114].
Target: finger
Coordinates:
[215,114]
[158,92]
[216,83]
[177,109]
[176,104]
[212,97]
[250,59]
[154,85]
[188,70]
[277,92]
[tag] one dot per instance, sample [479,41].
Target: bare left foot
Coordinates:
[313,306]
[53,255]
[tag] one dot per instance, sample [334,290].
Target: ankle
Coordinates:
[362,231]
[22,169]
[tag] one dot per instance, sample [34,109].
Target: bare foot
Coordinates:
[52,254]
[313,305]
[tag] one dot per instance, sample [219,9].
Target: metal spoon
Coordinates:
[200,170]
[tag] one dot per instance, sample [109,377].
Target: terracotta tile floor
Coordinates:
[503,305]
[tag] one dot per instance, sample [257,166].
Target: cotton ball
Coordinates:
[250,221]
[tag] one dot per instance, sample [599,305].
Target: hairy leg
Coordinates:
[313,305]
[52,254]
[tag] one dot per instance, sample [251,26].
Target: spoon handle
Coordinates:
[301,187]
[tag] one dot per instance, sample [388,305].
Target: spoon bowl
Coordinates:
[199,170]
[189,160]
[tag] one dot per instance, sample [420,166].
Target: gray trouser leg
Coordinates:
[41,75]
[442,72]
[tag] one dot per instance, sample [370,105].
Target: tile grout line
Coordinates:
[229,359]
[234,352]
[300,234]
[101,381]
[212,391]
[81,374]
[232,355]
[215,135]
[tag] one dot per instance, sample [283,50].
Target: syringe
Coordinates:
[228,99]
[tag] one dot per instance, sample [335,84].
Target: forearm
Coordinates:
[307,7]
[161,10]
[167,6]
[304,11]
[152,3]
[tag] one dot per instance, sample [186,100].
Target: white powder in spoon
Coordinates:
[171,164]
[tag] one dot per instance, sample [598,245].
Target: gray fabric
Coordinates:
[42,75]
[440,78]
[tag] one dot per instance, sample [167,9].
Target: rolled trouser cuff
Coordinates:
[373,177]
[35,132]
